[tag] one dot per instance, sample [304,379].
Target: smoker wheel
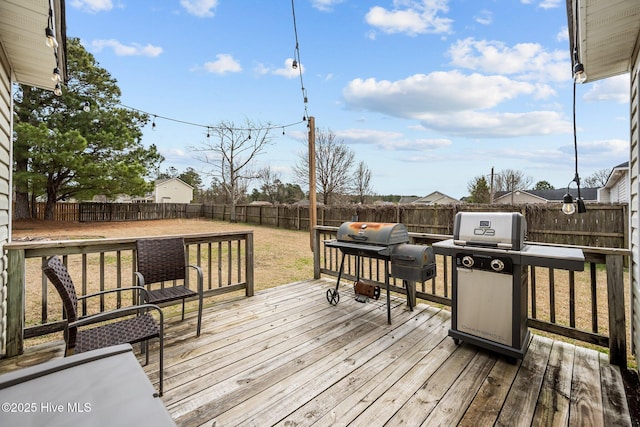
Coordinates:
[333,296]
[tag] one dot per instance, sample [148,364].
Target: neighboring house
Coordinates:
[25,58]
[606,41]
[172,190]
[435,198]
[616,189]
[544,196]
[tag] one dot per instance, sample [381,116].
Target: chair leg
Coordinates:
[161,355]
[199,316]
[183,308]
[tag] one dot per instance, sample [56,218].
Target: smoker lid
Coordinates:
[373,233]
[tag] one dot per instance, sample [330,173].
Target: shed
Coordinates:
[172,190]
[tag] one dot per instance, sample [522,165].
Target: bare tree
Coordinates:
[270,184]
[229,152]
[597,179]
[333,166]
[512,180]
[362,182]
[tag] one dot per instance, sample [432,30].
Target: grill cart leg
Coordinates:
[332,294]
[410,287]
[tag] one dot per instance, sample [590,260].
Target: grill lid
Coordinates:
[373,233]
[503,230]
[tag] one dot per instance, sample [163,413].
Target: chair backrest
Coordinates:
[161,260]
[58,274]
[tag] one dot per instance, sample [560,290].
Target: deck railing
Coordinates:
[34,308]
[588,306]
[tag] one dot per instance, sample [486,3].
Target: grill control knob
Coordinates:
[467,261]
[497,264]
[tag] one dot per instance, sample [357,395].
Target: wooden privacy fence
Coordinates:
[603,225]
[589,306]
[34,308]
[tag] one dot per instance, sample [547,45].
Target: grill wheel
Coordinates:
[333,296]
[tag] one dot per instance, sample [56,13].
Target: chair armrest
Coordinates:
[139,279]
[200,278]
[108,291]
[120,312]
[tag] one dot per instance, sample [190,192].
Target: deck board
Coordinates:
[287,357]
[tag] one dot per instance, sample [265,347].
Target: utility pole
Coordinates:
[312,181]
[491,188]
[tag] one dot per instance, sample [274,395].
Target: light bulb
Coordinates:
[58,90]
[55,76]
[568,208]
[294,64]
[579,75]
[51,38]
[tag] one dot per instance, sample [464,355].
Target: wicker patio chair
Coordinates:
[131,324]
[163,272]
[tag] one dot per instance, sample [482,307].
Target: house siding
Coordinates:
[5,187]
[173,191]
[634,194]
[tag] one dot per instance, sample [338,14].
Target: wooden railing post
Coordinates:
[316,254]
[249,267]
[617,324]
[15,302]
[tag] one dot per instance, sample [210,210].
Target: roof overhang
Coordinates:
[605,33]
[22,37]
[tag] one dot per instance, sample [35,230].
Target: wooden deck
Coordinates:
[287,357]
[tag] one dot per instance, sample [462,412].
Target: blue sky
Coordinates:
[428,93]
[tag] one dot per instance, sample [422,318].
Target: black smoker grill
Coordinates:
[385,241]
[489,302]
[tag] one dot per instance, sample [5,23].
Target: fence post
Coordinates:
[15,302]
[615,295]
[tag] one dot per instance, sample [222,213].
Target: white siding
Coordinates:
[5,168]
[634,194]
[173,191]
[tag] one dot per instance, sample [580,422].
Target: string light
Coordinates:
[209,127]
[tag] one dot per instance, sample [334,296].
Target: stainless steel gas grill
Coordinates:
[385,241]
[490,279]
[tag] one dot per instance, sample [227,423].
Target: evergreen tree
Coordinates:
[79,144]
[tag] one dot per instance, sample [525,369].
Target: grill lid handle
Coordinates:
[358,237]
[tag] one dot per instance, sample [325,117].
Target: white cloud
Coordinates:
[200,8]
[391,141]
[614,89]
[325,5]
[223,64]
[287,70]
[477,124]
[485,17]
[545,4]
[527,60]
[120,49]
[411,17]
[439,91]
[92,6]
[456,104]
